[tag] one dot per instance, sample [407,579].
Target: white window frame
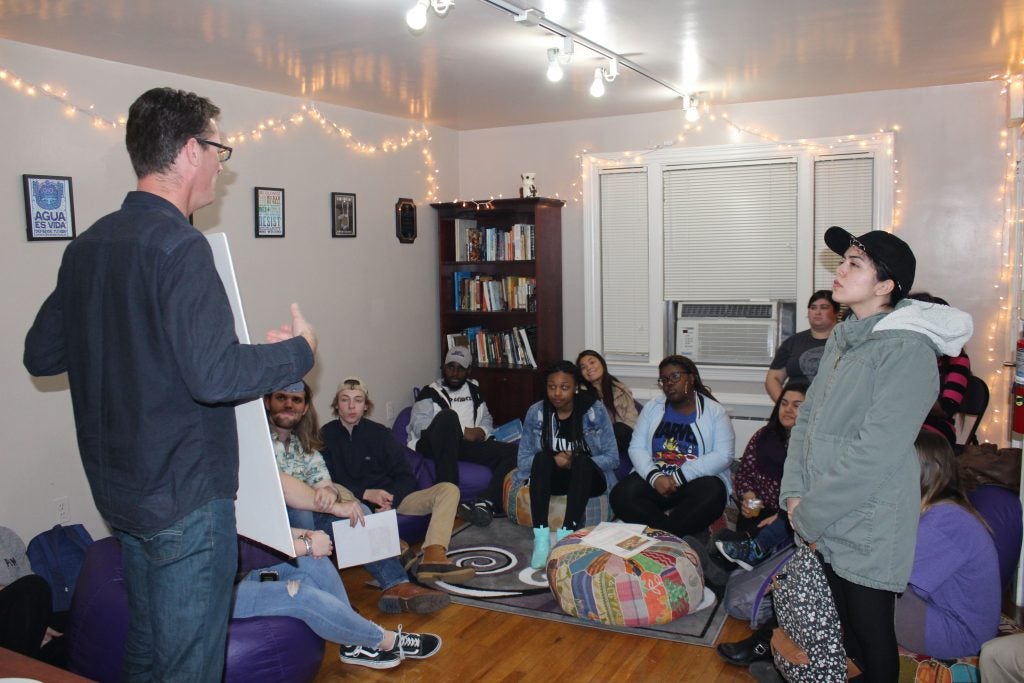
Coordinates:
[805,152]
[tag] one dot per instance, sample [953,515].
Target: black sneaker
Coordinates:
[366,656]
[415,645]
[479,513]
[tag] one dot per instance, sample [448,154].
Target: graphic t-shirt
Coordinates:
[674,442]
[561,437]
[800,354]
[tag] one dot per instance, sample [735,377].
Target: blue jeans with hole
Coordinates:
[319,600]
[387,573]
[179,583]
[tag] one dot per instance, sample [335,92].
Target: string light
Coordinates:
[249,134]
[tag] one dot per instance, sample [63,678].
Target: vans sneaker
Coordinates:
[479,513]
[367,656]
[415,645]
[747,554]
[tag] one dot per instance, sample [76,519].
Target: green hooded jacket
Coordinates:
[851,458]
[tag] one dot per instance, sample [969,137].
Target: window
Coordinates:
[736,222]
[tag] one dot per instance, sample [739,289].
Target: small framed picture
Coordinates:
[49,207]
[405,220]
[269,211]
[343,214]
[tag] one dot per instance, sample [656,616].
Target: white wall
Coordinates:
[373,300]
[951,169]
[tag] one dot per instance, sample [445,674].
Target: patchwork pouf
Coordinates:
[516,499]
[656,586]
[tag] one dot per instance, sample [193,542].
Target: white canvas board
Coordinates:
[360,544]
[260,512]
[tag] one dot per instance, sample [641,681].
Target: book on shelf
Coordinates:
[473,243]
[474,292]
[511,348]
[460,339]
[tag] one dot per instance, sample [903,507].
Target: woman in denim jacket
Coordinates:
[568,447]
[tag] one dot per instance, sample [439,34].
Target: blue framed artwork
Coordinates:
[49,207]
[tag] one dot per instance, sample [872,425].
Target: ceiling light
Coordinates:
[554,68]
[416,18]
[691,107]
[597,87]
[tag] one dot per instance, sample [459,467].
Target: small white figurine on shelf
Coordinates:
[529,188]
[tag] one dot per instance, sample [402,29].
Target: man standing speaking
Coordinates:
[140,322]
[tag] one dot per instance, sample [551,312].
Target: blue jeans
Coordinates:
[319,601]
[775,534]
[387,573]
[179,583]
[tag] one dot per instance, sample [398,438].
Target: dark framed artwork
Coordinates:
[343,214]
[268,203]
[49,207]
[405,221]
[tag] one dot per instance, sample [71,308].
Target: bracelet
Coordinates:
[309,544]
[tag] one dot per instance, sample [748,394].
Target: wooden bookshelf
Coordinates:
[509,390]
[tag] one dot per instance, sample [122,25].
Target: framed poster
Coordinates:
[343,214]
[405,221]
[49,207]
[269,211]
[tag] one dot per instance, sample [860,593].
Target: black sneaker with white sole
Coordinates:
[367,656]
[479,513]
[415,645]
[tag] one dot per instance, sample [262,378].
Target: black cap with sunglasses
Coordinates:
[881,247]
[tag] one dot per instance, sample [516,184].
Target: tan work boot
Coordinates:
[408,597]
[435,566]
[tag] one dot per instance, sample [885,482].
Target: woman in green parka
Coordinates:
[851,479]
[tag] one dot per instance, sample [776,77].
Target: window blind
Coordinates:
[844,196]
[625,288]
[730,231]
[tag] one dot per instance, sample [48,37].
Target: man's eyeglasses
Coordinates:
[223,151]
[671,379]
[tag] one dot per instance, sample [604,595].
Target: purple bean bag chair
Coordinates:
[1002,510]
[259,649]
[473,478]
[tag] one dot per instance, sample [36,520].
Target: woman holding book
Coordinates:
[568,448]
[681,451]
[615,396]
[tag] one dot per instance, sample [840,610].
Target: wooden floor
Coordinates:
[482,644]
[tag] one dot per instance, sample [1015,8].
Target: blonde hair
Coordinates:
[356,384]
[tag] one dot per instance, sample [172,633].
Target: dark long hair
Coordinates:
[690,367]
[606,385]
[773,421]
[584,397]
[940,480]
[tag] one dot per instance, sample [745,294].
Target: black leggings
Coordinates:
[869,632]
[583,480]
[690,510]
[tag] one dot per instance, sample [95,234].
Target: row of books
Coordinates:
[493,244]
[473,292]
[508,348]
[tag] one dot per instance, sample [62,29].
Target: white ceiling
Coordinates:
[477,68]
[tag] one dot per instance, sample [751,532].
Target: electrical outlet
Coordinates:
[63,513]
[389,410]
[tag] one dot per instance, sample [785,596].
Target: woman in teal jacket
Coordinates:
[851,479]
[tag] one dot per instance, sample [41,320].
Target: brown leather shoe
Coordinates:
[408,597]
[436,566]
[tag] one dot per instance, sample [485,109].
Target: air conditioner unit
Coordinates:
[735,333]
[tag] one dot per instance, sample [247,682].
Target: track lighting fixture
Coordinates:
[691,107]
[557,58]
[601,75]
[416,18]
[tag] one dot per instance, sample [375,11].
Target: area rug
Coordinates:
[505,582]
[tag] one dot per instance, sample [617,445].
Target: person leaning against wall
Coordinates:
[140,322]
[797,358]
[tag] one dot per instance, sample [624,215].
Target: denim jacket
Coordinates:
[597,432]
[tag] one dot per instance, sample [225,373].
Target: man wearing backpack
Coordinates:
[140,322]
[451,422]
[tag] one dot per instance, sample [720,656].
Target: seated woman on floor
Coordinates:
[952,604]
[756,485]
[615,396]
[681,451]
[310,589]
[567,448]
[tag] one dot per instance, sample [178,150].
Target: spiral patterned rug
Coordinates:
[505,582]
